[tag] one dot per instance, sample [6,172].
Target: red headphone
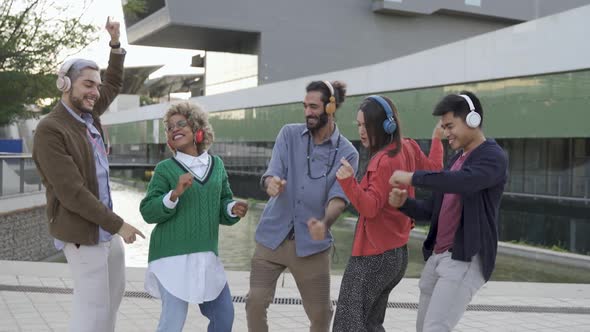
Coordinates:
[199,136]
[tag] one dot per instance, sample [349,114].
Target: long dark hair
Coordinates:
[374,117]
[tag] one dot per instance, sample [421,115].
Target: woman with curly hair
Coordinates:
[188,198]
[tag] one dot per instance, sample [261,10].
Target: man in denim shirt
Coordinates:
[305,200]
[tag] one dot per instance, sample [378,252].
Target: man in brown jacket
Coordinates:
[71,157]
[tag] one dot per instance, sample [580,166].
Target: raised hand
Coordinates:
[438,131]
[345,171]
[317,229]
[397,197]
[128,233]
[275,186]
[184,182]
[240,209]
[114,29]
[401,178]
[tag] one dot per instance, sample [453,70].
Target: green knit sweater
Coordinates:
[193,225]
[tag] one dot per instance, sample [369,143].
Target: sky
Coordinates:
[175,61]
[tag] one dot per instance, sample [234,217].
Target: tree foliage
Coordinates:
[33,34]
[133,9]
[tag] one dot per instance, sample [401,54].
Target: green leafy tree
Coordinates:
[134,9]
[33,33]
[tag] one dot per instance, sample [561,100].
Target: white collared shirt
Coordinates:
[194,278]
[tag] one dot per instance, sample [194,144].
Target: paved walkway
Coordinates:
[35,297]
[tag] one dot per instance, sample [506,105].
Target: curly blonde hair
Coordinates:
[197,119]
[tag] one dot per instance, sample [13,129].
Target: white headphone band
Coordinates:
[330,87]
[469,102]
[65,67]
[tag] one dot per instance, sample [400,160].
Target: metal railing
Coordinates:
[554,187]
[244,159]
[18,175]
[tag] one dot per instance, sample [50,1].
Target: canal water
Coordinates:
[236,246]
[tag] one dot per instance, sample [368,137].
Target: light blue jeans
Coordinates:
[219,311]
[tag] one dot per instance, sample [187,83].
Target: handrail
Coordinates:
[18,175]
[549,197]
[4,155]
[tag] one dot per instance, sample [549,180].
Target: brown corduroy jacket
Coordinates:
[65,160]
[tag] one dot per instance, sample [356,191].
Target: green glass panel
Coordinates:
[130,133]
[554,105]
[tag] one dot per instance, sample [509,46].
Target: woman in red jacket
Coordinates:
[379,252]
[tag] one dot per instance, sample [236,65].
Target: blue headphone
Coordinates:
[389,124]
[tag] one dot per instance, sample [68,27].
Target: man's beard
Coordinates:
[78,103]
[322,121]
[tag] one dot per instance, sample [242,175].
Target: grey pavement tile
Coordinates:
[28,317]
[48,309]
[148,326]
[8,324]
[52,282]
[21,307]
[59,327]
[136,317]
[12,298]
[51,311]
[9,280]
[135,286]
[35,328]
[127,327]
[503,329]
[30,324]
[29,281]
[56,319]
[127,310]
[24,312]
[69,283]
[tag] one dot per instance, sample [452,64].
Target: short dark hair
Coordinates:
[374,117]
[458,105]
[339,91]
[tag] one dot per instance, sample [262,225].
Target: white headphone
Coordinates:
[63,82]
[473,119]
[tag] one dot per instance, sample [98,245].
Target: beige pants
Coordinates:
[312,275]
[99,283]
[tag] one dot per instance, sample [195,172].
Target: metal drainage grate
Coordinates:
[402,305]
[295,301]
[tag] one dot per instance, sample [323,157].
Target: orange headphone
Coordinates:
[331,107]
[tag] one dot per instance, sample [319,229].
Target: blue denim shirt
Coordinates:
[102,170]
[303,197]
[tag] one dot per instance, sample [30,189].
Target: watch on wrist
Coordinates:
[117,45]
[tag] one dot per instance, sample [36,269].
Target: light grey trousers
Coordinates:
[446,288]
[98,273]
